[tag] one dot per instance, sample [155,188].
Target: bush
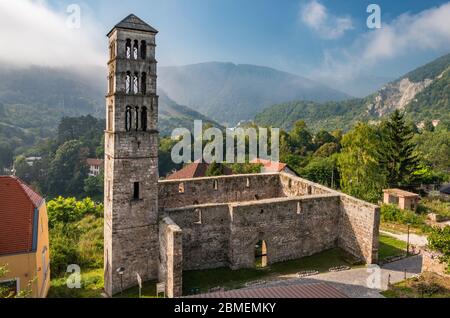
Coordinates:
[439,240]
[76,234]
[391,213]
[69,210]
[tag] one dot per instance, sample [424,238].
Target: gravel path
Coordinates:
[414,239]
[362,282]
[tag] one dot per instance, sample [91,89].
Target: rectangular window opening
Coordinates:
[136,191]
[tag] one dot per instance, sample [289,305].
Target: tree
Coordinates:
[301,139]
[323,171]
[93,186]
[397,152]
[361,174]
[68,170]
[215,169]
[323,137]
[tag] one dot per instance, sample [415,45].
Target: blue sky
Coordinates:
[332,46]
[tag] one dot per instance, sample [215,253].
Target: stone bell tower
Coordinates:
[131,157]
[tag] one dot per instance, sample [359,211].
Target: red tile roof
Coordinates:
[94,162]
[17,204]
[194,170]
[270,165]
[316,290]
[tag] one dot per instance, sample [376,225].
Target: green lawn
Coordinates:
[92,287]
[204,280]
[390,246]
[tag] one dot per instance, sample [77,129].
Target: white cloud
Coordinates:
[33,34]
[315,15]
[405,36]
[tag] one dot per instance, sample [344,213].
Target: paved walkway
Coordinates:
[362,282]
[414,239]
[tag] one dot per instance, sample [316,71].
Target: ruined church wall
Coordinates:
[291,227]
[205,244]
[358,223]
[171,257]
[229,189]
[359,228]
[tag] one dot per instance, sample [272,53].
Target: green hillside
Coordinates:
[431,103]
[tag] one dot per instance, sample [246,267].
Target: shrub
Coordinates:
[391,213]
[439,240]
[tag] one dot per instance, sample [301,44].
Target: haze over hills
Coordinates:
[38,97]
[424,94]
[229,93]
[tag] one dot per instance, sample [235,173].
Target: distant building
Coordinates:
[271,166]
[95,166]
[32,160]
[24,247]
[194,170]
[403,199]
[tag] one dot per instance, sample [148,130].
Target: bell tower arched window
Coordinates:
[136,83]
[128,118]
[128,83]
[136,120]
[135,49]
[128,49]
[144,118]
[144,83]
[110,118]
[143,50]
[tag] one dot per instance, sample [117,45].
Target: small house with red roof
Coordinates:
[273,166]
[24,245]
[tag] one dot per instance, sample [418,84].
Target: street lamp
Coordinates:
[407,241]
[121,271]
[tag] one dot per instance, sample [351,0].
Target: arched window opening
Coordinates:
[195,202]
[198,214]
[144,118]
[110,118]
[111,81]
[143,50]
[256,197]
[299,208]
[247,185]
[144,83]
[135,49]
[128,83]
[261,254]
[128,118]
[136,120]
[181,188]
[136,83]
[215,185]
[128,49]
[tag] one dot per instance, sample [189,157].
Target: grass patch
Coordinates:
[390,246]
[204,280]
[428,285]
[91,286]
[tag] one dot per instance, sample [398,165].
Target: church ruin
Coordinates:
[158,229]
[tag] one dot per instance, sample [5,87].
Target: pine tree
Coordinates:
[397,153]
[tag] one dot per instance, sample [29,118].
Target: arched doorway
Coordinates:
[261,254]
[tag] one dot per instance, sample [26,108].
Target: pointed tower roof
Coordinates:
[132,22]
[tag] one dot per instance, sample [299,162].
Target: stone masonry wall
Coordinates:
[205,243]
[359,228]
[171,257]
[229,189]
[291,227]
[359,220]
